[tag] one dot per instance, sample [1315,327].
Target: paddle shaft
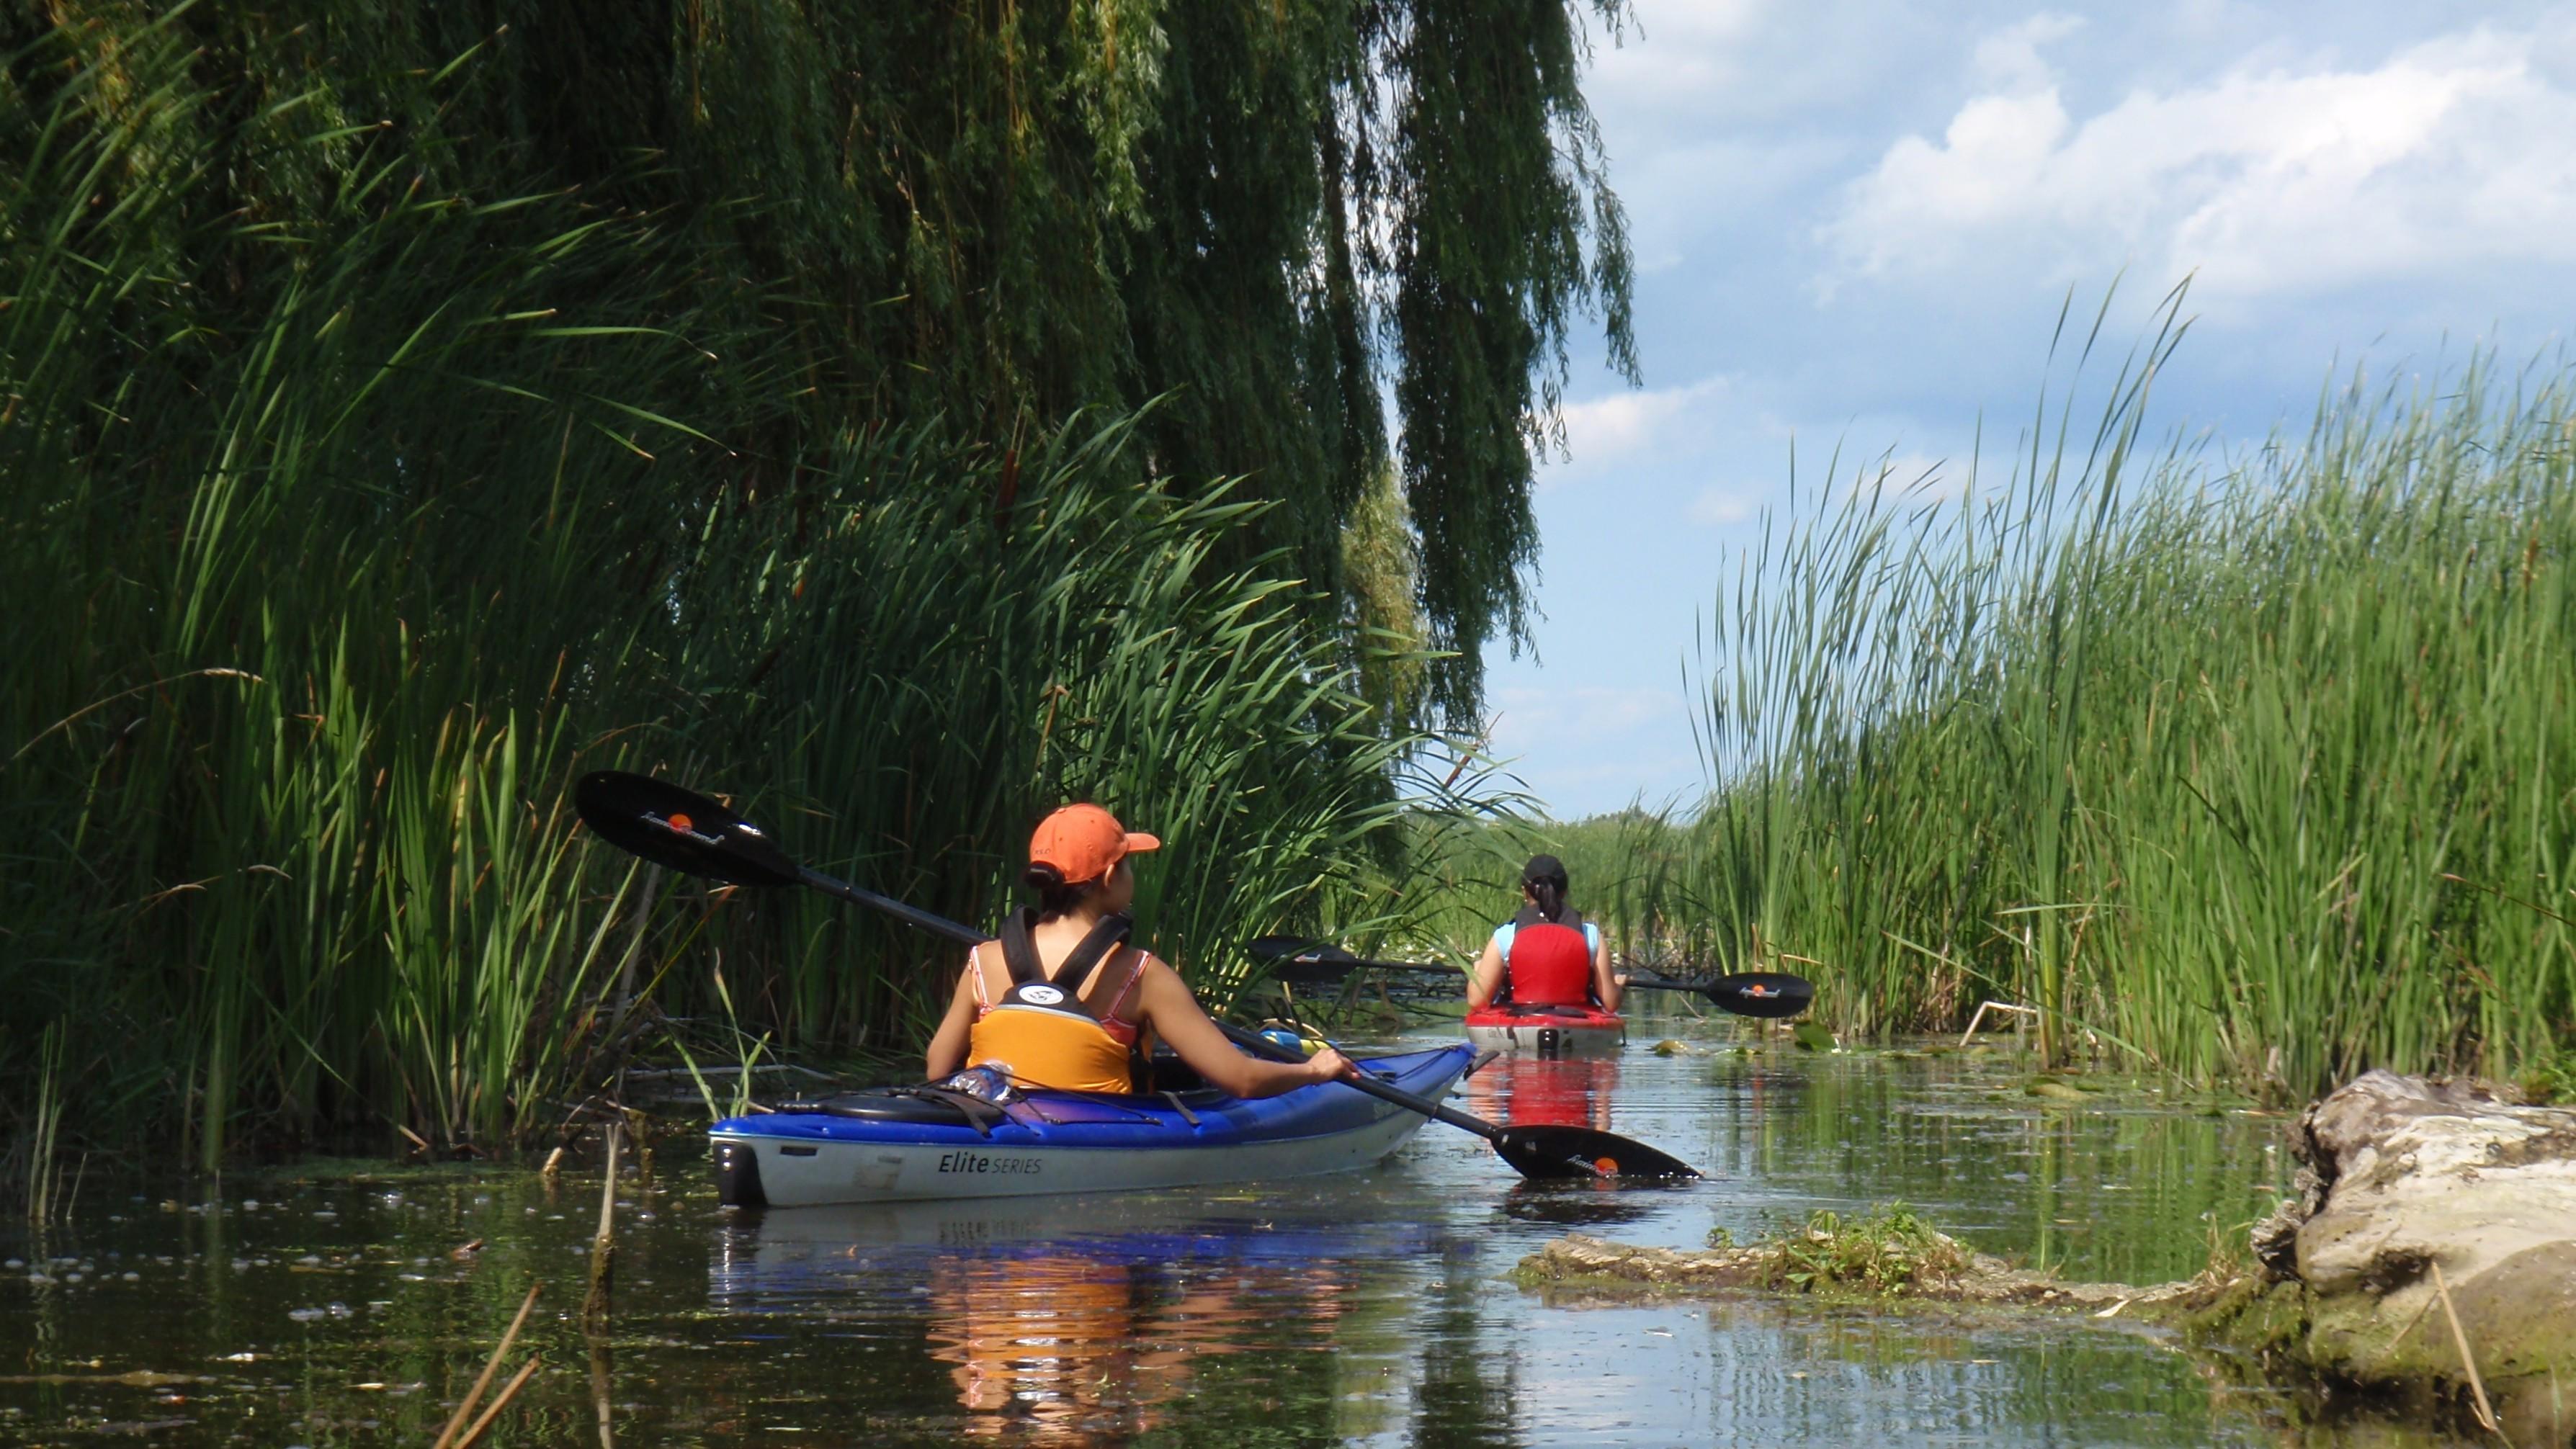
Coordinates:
[910,915]
[1658,983]
[1251,1041]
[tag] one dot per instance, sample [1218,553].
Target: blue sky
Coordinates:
[1854,222]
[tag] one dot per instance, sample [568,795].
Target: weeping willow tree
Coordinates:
[1272,213]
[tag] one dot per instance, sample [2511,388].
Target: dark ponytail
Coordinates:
[1056,895]
[1544,879]
[1549,896]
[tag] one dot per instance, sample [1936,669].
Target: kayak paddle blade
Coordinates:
[1294,948]
[1301,962]
[1297,959]
[1544,1152]
[1762,993]
[680,829]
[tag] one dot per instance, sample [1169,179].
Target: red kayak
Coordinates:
[1548,1031]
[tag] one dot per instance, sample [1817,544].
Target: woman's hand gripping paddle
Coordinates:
[689,833]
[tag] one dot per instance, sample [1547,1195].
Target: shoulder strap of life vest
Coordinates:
[1528,915]
[1094,948]
[1020,955]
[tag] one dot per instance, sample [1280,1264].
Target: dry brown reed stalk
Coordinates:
[501,1401]
[2477,1388]
[603,1244]
[447,1437]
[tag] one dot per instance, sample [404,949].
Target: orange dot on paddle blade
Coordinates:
[1606,1166]
[680,822]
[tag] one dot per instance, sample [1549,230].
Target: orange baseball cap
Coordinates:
[1083,841]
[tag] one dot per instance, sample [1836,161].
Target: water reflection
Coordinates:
[1371,1308]
[1068,1321]
[1068,1348]
[1535,1092]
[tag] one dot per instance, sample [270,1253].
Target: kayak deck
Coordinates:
[905,1144]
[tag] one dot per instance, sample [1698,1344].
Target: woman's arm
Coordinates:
[1164,1003]
[1605,984]
[1487,977]
[948,1044]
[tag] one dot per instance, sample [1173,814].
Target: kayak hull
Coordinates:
[1550,1033]
[1070,1142]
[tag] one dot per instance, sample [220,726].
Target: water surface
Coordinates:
[1373,1308]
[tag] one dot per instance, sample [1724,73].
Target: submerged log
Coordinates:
[1589,1265]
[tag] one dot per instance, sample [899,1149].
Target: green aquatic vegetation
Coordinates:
[1882,1252]
[2552,1084]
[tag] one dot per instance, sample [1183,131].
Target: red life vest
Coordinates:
[1551,965]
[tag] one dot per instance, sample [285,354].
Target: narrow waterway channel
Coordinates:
[1374,1308]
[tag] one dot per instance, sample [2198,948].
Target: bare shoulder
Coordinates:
[1157,978]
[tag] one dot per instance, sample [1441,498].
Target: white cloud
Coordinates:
[2450,154]
[1622,423]
[1626,426]
[1723,506]
[2010,57]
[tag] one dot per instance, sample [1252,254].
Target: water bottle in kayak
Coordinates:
[990,1081]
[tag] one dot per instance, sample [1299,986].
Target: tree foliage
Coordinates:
[1277,212]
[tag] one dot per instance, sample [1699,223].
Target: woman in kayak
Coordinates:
[1547,955]
[1062,1002]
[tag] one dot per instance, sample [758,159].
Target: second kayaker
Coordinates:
[1547,954]
[1062,1002]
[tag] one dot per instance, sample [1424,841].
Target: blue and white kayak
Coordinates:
[906,1144]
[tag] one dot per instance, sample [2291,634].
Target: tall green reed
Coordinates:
[2238,766]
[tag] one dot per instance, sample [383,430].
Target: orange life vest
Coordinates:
[1041,1031]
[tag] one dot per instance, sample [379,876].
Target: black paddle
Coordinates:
[1746,993]
[694,835]
[1302,962]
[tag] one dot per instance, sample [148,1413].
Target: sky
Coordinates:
[1854,223]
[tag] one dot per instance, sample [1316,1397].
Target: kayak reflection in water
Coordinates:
[1539,1091]
[1547,954]
[1062,1002]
